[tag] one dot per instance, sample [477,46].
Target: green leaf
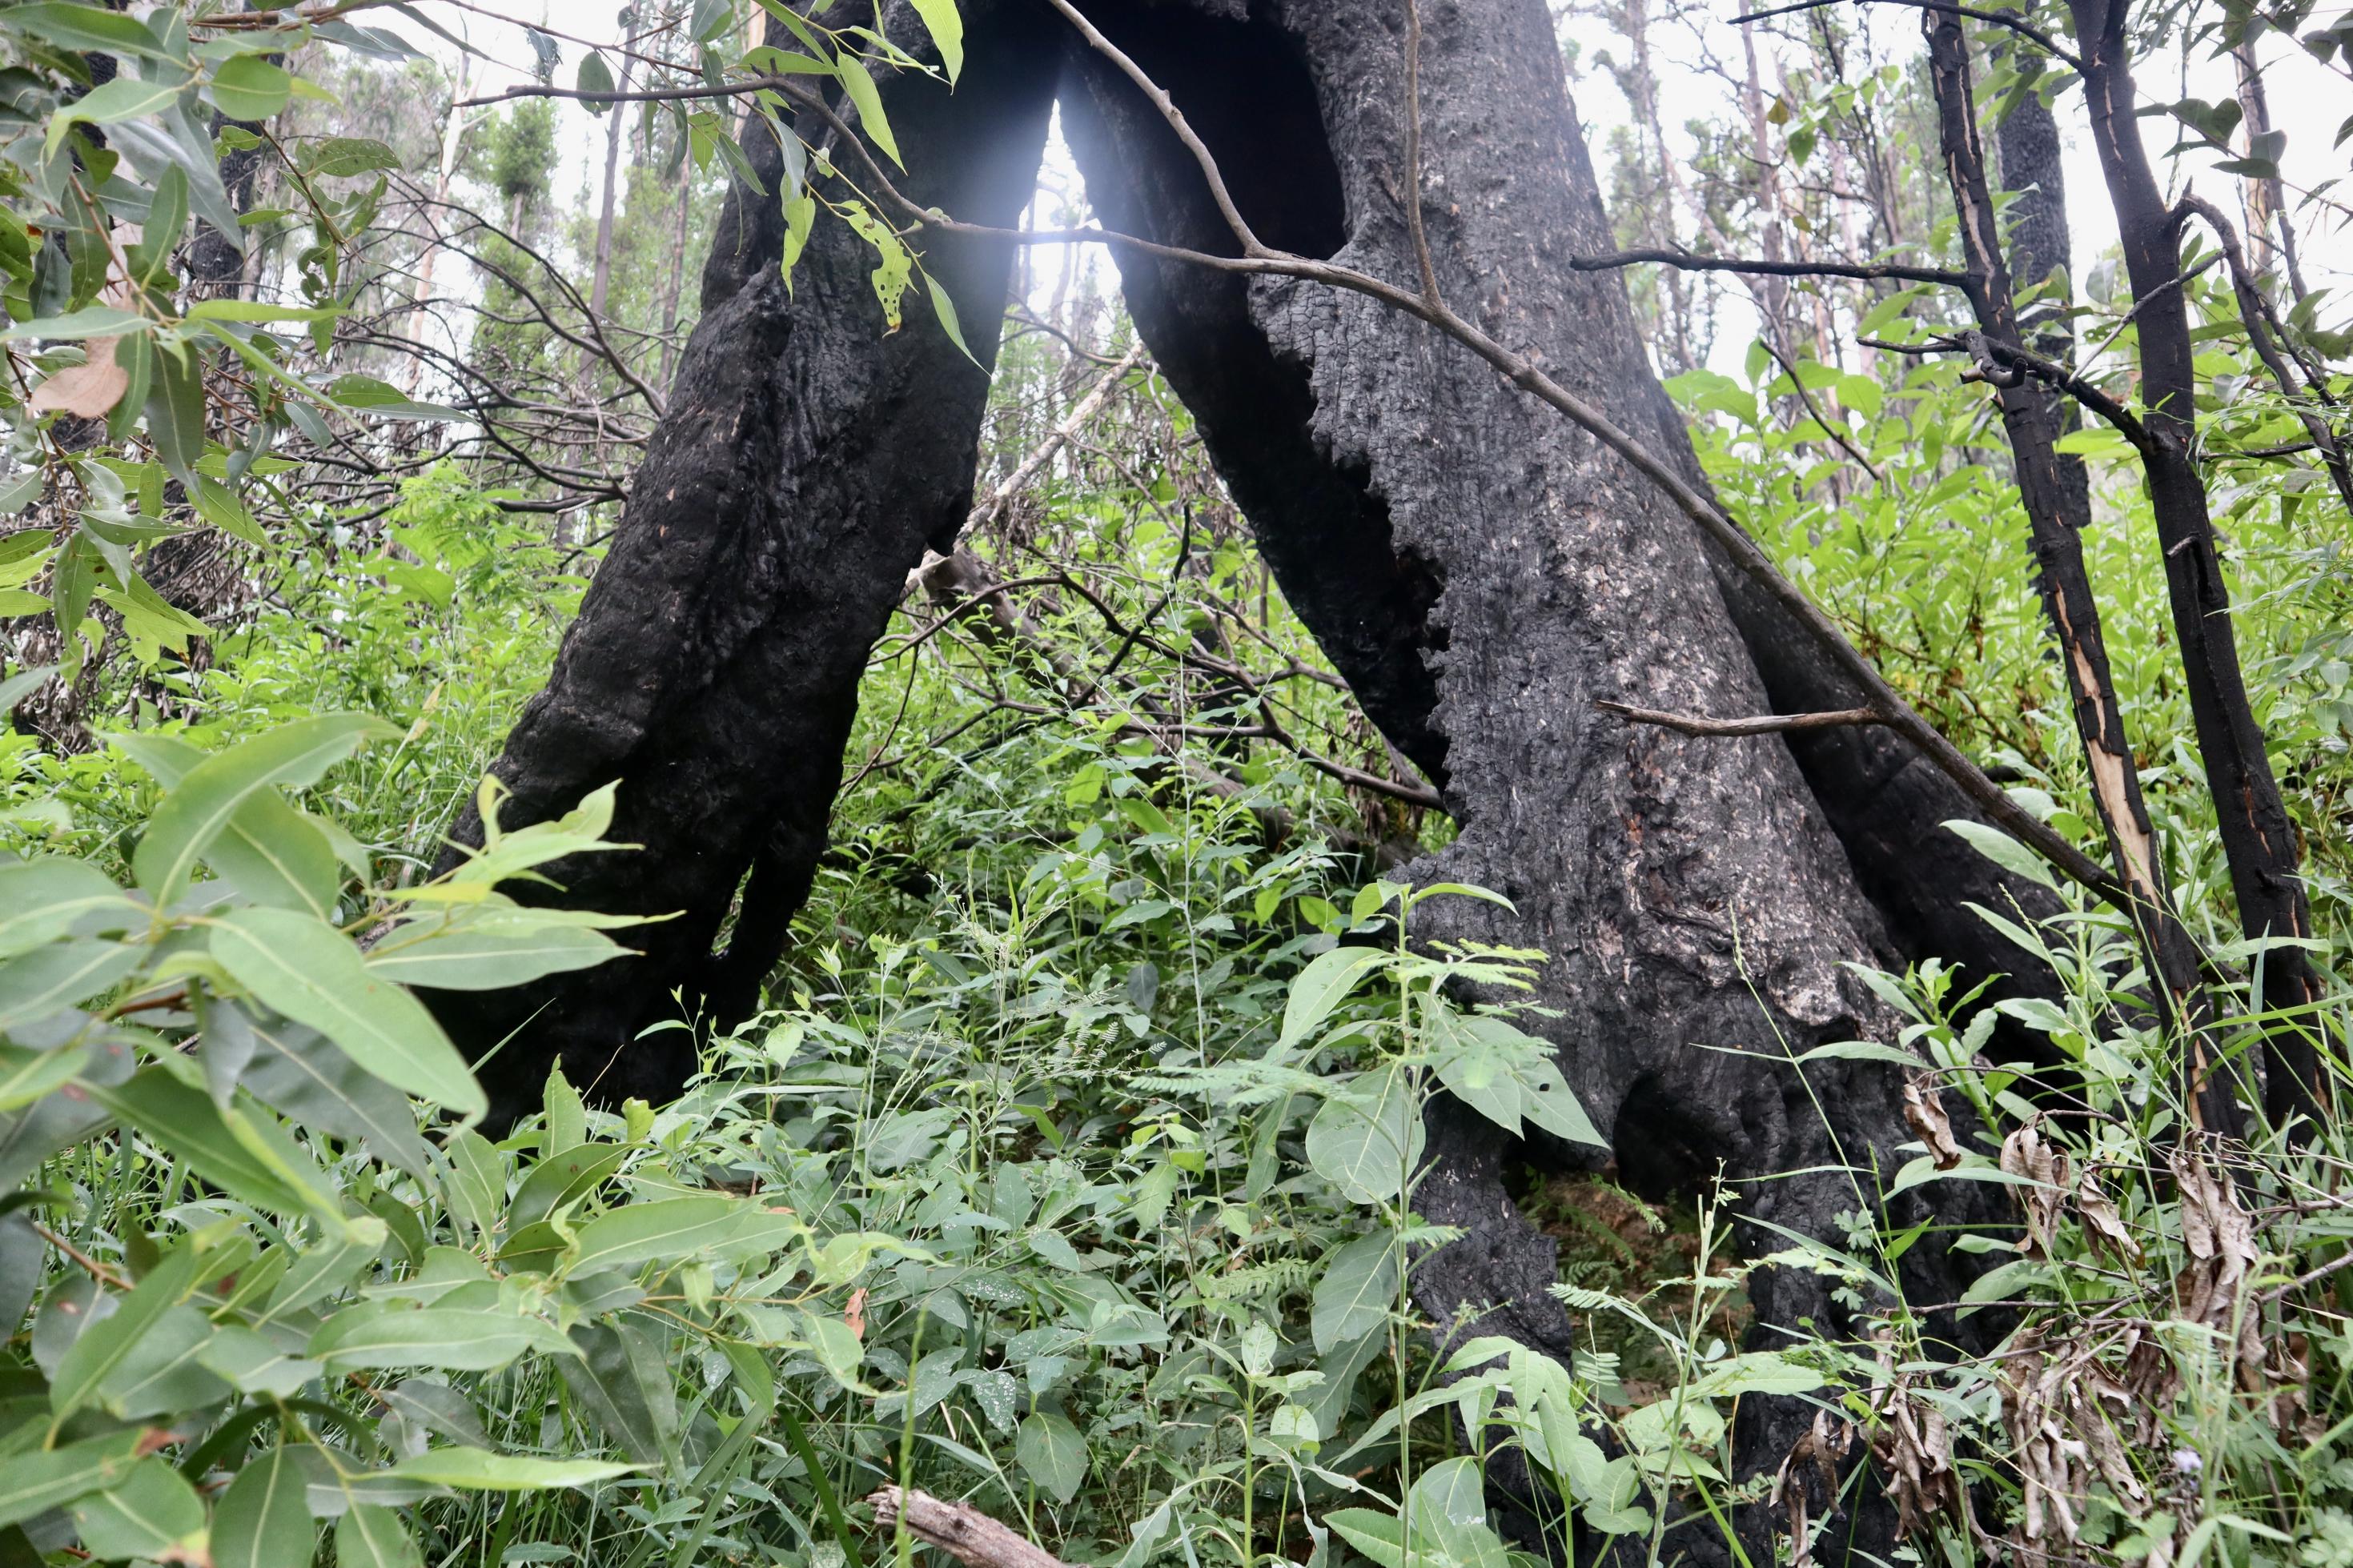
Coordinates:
[800,218]
[43,899]
[311,973]
[37,1481]
[318,1272]
[343,157]
[668,1228]
[477,1470]
[476,1184]
[564,1120]
[258,310]
[87,28]
[379,1334]
[596,76]
[124,98]
[307,1079]
[560,1178]
[164,1374]
[1050,1449]
[228,1148]
[1365,1139]
[92,321]
[1476,1065]
[1546,1100]
[153,1512]
[23,684]
[261,1522]
[369,1536]
[27,1075]
[367,395]
[1358,1290]
[203,801]
[167,220]
[945,25]
[107,1343]
[1450,1518]
[48,978]
[2004,851]
[1865,1051]
[175,413]
[1321,986]
[628,1388]
[251,1362]
[1378,1536]
[418,953]
[251,88]
[273,853]
[1761,1372]
[946,309]
[863,96]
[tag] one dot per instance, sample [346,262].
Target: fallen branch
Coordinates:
[1765,724]
[960,1530]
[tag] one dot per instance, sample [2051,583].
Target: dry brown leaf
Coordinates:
[854,1315]
[1820,1448]
[2218,1234]
[2101,1223]
[1924,1113]
[1912,1445]
[2025,1156]
[86,390]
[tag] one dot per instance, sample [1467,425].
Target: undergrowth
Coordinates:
[1066,1169]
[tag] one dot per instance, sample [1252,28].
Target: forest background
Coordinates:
[1066,1168]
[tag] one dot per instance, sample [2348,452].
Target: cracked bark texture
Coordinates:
[1478,568]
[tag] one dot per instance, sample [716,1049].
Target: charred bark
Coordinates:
[1692,892]
[2056,496]
[2259,839]
[807,460]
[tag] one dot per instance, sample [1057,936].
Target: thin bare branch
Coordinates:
[2024,28]
[1875,271]
[1763,724]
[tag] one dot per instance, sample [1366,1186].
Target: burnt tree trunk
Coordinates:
[1481,572]
[809,458]
[2056,496]
[2259,837]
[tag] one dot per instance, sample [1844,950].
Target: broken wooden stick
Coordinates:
[960,1530]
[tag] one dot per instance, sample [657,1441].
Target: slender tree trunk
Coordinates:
[2258,836]
[1642,77]
[453,131]
[616,117]
[2270,229]
[1772,293]
[2057,500]
[672,289]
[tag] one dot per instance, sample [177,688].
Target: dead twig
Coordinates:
[1763,724]
[960,1530]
